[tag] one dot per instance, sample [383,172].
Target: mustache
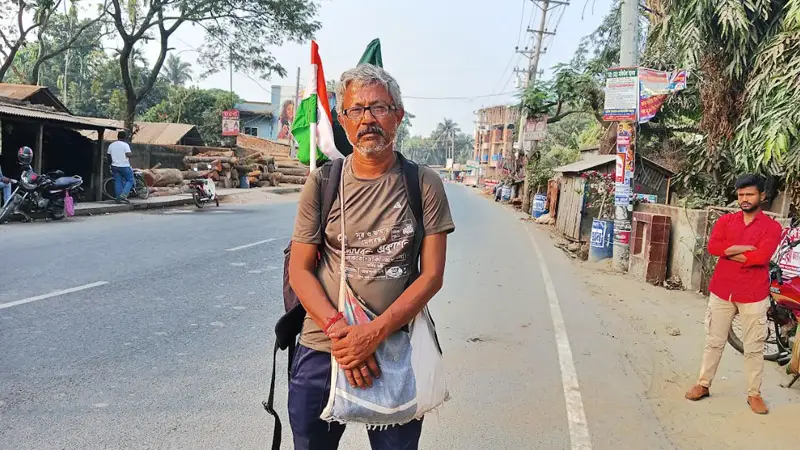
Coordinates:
[370,129]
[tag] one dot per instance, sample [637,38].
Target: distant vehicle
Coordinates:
[139,188]
[203,189]
[40,196]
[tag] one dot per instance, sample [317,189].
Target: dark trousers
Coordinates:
[309,389]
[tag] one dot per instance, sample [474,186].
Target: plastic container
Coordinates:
[602,241]
[244,183]
[506,193]
[538,208]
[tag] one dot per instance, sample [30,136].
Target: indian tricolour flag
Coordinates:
[313,126]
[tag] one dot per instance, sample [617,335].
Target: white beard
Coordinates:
[374,150]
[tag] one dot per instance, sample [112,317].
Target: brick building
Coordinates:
[494,137]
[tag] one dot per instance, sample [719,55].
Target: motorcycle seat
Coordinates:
[66,182]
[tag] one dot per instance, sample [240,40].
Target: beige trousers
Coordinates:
[719,316]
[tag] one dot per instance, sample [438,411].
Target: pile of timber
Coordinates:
[283,168]
[222,166]
[226,169]
[292,171]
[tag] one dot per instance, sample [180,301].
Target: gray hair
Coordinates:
[367,74]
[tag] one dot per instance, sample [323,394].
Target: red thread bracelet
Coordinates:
[332,321]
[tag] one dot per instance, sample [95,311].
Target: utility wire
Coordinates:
[514,56]
[458,98]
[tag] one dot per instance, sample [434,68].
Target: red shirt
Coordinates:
[746,282]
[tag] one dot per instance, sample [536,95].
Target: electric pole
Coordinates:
[545,6]
[628,48]
[623,192]
[230,73]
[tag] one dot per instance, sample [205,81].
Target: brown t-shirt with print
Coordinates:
[380,231]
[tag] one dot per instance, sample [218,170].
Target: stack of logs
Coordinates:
[289,170]
[221,166]
[226,169]
[259,169]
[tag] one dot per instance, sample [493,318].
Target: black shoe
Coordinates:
[124,200]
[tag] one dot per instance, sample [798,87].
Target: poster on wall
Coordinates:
[630,166]
[622,194]
[646,198]
[622,95]
[230,122]
[285,120]
[626,136]
[620,172]
[626,145]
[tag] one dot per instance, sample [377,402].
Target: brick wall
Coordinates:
[262,145]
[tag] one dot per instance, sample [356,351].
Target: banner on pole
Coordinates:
[622,94]
[654,88]
[535,130]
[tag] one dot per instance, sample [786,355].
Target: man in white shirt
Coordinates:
[119,151]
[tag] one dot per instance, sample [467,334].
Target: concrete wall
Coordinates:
[686,242]
[146,156]
[267,127]
[263,145]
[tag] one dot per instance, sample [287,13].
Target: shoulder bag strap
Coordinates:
[269,404]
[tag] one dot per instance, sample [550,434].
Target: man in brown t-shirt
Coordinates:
[380,230]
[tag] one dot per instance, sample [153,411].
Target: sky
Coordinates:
[450,57]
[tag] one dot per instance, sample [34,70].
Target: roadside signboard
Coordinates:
[230,122]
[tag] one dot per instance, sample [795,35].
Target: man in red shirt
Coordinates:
[744,242]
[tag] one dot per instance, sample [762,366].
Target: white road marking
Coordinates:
[52,294]
[253,244]
[576,417]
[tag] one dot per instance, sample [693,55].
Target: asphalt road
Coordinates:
[166,342]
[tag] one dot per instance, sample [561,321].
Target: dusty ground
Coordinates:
[639,316]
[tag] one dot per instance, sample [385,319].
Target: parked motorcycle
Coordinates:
[39,196]
[783,315]
[203,189]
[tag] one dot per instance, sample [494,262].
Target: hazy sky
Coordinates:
[435,48]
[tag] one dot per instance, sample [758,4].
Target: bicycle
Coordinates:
[139,188]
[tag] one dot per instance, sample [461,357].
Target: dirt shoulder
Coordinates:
[663,335]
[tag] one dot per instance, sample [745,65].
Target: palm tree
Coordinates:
[443,138]
[176,71]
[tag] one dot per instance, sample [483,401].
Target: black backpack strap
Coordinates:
[414,192]
[329,189]
[270,403]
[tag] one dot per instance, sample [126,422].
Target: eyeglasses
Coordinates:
[357,112]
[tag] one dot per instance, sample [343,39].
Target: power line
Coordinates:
[459,98]
[514,56]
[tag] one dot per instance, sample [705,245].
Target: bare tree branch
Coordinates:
[558,117]
[69,45]
[5,40]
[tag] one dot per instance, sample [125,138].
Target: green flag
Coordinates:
[372,55]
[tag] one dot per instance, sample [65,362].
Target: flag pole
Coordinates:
[312,160]
[312,152]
